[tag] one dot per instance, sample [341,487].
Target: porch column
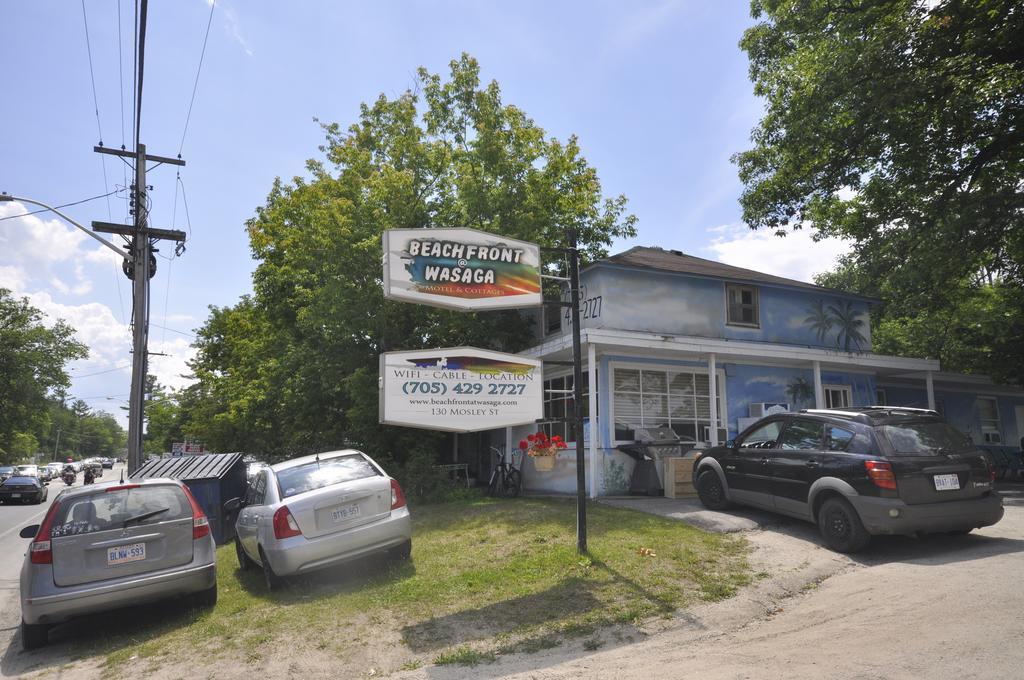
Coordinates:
[819,392]
[930,388]
[592,419]
[713,393]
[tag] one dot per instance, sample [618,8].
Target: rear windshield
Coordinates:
[927,438]
[21,481]
[328,471]
[149,504]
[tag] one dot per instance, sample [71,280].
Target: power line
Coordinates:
[109,370]
[174,330]
[95,102]
[195,85]
[58,207]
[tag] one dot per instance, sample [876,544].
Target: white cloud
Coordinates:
[171,369]
[95,326]
[795,256]
[13,278]
[233,27]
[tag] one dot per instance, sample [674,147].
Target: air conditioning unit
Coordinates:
[723,434]
[767,408]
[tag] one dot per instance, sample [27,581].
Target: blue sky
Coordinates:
[657,93]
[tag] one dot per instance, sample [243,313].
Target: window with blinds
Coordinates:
[679,399]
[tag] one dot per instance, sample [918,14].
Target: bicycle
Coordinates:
[506,479]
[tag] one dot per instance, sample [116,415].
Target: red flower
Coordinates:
[531,437]
[523,444]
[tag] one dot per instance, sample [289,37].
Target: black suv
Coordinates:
[855,472]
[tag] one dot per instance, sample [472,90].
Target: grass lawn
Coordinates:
[486,577]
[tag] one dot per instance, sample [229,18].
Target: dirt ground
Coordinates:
[938,607]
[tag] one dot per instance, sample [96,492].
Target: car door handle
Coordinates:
[812,464]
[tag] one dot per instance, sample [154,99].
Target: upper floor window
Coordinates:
[741,304]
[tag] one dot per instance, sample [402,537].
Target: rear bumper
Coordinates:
[927,517]
[56,607]
[298,555]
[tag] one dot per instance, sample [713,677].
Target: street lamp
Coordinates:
[121,253]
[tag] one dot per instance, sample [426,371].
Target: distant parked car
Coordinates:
[107,463]
[856,472]
[28,471]
[55,469]
[317,511]
[105,546]
[23,490]
[5,472]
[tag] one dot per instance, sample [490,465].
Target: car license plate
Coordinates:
[15,495]
[126,553]
[947,482]
[341,514]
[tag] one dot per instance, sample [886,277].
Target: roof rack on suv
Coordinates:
[832,411]
[896,409]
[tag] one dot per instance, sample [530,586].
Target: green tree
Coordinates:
[294,367]
[32,360]
[897,124]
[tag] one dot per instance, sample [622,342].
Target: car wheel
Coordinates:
[711,492]
[273,581]
[841,527]
[402,552]
[513,483]
[207,599]
[34,635]
[244,562]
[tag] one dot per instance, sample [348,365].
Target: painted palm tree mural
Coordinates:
[849,323]
[844,317]
[819,319]
[799,392]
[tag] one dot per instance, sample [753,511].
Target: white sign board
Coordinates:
[461,269]
[460,389]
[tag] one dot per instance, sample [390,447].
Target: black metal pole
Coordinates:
[577,389]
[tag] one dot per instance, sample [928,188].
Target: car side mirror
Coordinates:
[233,505]
[30,531]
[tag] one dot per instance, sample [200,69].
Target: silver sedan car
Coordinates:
[313,512]
[106,546]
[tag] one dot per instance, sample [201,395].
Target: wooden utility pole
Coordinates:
[139,268]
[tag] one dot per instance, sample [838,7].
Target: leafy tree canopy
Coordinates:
[293,368]
[895,123]
[32,360]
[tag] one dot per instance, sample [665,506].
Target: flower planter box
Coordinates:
[544,463]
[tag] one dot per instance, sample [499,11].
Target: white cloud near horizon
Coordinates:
[795,256]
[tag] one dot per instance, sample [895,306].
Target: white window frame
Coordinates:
[757,305]
[846,389]
[987,426]
[682,368]
[563,428]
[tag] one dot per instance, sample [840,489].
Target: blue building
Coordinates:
[706,348]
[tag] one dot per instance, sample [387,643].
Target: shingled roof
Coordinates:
[679,262]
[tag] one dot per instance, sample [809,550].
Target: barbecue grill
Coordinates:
[652,446]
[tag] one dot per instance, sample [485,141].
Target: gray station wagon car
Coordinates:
[316,511]
[856,472]
[106,546]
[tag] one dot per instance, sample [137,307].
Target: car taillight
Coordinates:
[200,524]
[284,524]
[397,497]
[40,551]
[881,474]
